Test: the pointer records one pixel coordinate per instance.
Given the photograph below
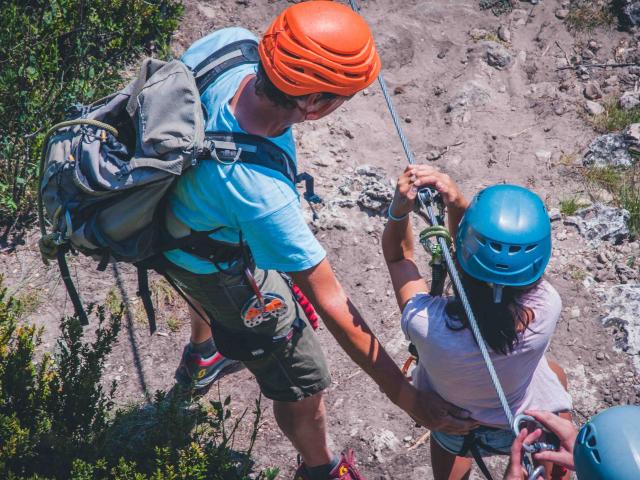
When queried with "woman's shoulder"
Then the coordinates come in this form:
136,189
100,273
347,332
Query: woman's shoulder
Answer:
544,300
422,306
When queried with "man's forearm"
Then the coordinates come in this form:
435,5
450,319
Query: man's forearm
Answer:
349,328
359,342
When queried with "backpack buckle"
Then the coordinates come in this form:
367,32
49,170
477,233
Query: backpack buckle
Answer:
309,193
226,153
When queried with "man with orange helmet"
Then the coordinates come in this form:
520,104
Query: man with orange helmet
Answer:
313,58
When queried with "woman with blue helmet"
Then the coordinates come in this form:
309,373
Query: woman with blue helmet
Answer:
607,447
503,245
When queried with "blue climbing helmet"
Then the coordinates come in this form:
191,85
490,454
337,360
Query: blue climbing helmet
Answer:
504,238
608,446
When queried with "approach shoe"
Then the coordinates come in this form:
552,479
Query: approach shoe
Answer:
196,371
345,470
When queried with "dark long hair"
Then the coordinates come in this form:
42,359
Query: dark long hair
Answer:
497,321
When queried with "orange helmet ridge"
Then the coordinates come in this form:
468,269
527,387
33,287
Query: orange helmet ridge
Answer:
319,47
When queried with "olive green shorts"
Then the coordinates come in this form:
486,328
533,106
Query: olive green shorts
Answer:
297,368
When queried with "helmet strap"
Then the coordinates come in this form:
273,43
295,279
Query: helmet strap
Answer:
497,293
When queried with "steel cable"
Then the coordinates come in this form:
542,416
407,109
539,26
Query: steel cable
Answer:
427,198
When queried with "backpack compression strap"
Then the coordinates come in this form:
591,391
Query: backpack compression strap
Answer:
231,147
230,56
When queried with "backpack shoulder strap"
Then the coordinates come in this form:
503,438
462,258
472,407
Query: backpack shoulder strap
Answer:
223,60
232,147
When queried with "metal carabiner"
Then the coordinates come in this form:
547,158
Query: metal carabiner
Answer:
537,473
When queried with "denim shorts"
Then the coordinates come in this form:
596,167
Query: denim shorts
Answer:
489,441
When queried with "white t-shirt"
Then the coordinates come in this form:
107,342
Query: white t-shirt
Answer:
451,363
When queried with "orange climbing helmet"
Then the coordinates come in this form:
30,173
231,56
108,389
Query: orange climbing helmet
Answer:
319,47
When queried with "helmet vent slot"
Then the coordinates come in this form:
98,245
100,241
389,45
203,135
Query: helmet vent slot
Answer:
500,266
496,247
514,249
591,441
596,455
480,239
530,248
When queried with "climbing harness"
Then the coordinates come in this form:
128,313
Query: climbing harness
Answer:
426,203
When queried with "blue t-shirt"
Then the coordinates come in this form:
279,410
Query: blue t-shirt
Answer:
260,202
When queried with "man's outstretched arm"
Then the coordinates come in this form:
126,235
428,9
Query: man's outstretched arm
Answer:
348,327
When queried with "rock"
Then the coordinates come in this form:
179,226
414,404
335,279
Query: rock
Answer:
599,222
442,54
610,150
560,109
562,13
385,439
554,214
632,137
588,55
543,156
575,312
594,108
592,91
478,33
600,356
627,272
331,218
593,46
622,304
629,100
497,55
612,81
504,34
473,94
376,193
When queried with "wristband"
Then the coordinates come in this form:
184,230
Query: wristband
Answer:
391,216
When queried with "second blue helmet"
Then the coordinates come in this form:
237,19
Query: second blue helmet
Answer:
504,237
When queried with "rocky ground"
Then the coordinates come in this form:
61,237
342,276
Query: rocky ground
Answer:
488,99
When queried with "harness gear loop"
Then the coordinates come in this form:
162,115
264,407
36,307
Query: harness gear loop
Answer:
425,204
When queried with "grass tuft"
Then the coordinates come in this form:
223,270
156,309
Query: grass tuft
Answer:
614,118
587,15
624,185
570,206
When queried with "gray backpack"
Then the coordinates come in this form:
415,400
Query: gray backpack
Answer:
106,170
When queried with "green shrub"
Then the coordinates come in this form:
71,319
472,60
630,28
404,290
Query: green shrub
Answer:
57,421
58,52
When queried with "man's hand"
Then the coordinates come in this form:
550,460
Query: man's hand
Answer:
430,410
515,470
566,432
